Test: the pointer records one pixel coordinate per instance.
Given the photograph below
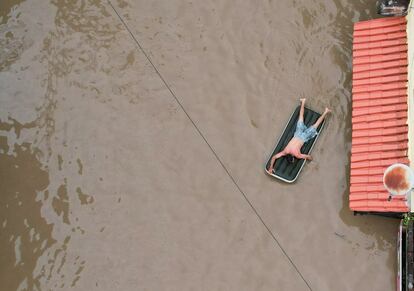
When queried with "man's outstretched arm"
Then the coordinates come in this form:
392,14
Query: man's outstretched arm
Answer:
274,158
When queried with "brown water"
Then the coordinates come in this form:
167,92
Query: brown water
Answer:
107,184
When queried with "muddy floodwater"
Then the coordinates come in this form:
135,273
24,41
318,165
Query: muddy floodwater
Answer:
133,136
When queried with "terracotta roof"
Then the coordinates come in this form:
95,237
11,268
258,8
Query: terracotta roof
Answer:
379,111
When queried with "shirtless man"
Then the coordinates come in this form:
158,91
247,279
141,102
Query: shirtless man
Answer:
302,135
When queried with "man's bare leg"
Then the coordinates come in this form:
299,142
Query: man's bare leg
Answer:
321,118
302,109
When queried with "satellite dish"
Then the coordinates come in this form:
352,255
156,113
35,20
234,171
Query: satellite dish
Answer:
398,180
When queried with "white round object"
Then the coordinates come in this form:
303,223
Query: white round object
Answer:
398,179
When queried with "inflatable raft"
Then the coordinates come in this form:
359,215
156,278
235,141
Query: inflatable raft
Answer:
283,170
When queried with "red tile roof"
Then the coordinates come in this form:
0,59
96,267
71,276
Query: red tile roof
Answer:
379,111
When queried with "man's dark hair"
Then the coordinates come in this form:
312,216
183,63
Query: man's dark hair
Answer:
290,159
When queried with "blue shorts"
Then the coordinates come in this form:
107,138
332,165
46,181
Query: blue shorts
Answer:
305,133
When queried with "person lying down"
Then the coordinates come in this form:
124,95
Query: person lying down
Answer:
302,135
